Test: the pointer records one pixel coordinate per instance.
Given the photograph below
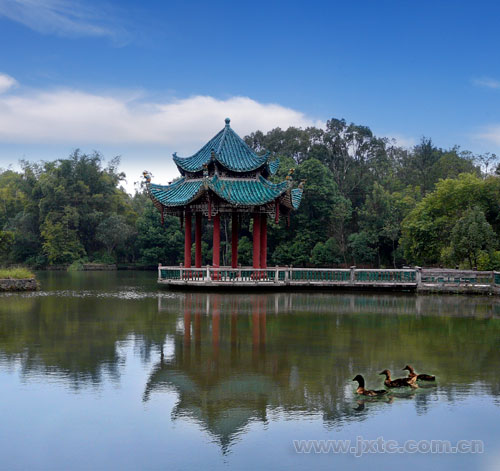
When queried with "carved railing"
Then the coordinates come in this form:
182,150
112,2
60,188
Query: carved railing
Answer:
320,275
406,275
223,274
496,278
459,277
286,275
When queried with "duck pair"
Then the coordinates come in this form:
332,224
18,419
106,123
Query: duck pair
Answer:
409,381
420,377
388,382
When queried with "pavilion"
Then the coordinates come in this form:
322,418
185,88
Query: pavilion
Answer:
226,178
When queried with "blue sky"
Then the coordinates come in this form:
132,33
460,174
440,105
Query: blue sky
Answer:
144,79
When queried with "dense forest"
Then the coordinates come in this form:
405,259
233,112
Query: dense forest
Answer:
367,202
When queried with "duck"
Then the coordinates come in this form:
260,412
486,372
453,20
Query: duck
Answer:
367,392
398,382
420,377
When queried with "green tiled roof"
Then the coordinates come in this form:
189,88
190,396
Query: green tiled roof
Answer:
247,192
178,193
273,166
296,197
246,186
244,192
229,149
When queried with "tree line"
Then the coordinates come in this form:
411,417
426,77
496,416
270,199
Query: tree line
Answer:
367,201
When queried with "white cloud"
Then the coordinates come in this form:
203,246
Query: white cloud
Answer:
490,134
81,118
403,141
6,82
487,82
68,18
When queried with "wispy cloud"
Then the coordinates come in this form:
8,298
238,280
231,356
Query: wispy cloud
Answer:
6,82
487,82
403,141
81,118
490,133
68,18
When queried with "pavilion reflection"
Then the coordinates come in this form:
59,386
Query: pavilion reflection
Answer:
227,375
219,367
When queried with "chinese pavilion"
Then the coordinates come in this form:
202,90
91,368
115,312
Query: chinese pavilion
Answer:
226,178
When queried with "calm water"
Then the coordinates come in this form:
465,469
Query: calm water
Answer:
105,371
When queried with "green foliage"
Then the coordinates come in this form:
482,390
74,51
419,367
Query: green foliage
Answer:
15,273
53,210
6,241
380,222
77,265
245,251
363,247
59,231
159,244
321,211
488,260
426,230
326,254
113,232
366,201
471,235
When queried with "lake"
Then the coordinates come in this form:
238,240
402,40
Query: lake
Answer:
103,370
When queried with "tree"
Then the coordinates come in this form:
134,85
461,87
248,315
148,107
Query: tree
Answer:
365,198
321,207
487,162
427,228
6,240
113,232
470,235
451,164
351,153
157,243
381,216
61,243
363,247
326,254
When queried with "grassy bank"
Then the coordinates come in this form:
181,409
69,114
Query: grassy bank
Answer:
16,273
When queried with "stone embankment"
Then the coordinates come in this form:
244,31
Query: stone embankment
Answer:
27,284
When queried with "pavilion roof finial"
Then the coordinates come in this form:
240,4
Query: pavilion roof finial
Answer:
229,150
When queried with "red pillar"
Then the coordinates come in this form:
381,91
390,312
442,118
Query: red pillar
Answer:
216,326
263,241
216,245
187,322
187,240
256,240
197,239
255,331
234,241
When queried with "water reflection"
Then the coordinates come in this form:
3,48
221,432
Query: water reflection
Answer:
236,359
268,353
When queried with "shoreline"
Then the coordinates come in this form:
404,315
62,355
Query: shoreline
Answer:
20,284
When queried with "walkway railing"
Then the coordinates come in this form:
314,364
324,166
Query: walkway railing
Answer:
460,277
287,275
421,278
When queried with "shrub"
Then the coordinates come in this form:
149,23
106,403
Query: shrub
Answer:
15,273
